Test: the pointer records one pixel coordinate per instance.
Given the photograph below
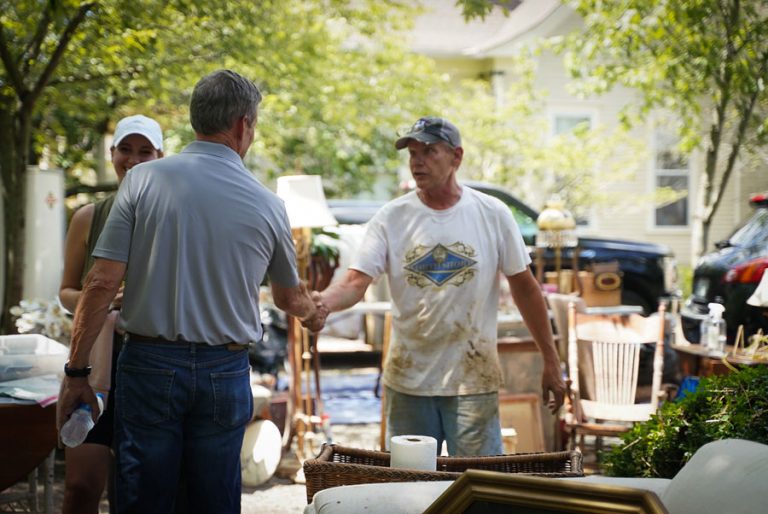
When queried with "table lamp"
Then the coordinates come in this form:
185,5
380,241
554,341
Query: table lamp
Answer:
307,209
557,230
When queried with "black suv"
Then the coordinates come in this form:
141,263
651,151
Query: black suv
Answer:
649,270
729,275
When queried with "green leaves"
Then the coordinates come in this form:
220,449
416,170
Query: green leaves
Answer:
730,406
700,63
336,75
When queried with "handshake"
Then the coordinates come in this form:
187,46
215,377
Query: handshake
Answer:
316,321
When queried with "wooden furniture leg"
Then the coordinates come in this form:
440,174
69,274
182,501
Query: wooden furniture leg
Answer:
384,350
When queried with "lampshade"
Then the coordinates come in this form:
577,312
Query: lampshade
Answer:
305,201
555,216
557,228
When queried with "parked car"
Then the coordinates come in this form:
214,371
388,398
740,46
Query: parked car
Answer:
649,271
729,275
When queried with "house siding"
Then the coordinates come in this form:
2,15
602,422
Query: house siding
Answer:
635,217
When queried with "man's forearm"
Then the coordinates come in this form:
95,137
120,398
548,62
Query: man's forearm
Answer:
342,295
90,314
530,302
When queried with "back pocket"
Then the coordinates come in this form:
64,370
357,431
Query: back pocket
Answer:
232,397
145,394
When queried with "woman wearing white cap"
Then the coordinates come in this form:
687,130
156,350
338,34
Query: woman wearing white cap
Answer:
137,139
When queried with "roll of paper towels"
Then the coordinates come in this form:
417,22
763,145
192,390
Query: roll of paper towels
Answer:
414,452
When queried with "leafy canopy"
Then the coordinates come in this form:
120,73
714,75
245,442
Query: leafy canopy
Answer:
337,75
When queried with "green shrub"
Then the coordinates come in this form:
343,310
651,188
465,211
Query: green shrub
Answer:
730,406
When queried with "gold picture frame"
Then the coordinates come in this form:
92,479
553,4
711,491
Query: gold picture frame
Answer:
492,492
522,412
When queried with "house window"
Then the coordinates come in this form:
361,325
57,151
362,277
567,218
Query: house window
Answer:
672,176
568,122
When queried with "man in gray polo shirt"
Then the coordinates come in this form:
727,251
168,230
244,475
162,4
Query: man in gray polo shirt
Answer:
193,235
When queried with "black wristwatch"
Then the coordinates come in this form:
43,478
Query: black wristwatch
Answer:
76,372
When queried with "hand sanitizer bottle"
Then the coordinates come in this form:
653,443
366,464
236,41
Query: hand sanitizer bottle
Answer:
713,329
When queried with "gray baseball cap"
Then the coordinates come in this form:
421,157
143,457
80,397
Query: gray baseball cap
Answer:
429,130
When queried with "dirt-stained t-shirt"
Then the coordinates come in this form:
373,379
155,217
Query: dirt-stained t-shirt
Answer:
443,269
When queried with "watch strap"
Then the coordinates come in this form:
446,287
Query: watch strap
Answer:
76,372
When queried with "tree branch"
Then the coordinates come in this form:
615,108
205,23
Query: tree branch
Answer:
746,114
15,78
66,36
32,50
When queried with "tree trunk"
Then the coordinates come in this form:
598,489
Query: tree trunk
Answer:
698,234
15,130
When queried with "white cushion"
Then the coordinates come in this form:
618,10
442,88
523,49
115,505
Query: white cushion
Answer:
386,498
722,476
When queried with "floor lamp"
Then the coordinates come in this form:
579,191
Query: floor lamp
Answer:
307,209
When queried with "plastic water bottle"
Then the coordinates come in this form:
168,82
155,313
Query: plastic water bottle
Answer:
76,429
713,329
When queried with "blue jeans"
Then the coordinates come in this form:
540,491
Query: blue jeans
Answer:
180,403
469,424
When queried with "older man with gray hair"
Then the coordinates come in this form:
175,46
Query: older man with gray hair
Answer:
443,248
193,235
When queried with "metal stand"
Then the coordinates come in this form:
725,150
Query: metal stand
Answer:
575,285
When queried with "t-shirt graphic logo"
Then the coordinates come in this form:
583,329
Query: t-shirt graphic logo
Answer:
440,265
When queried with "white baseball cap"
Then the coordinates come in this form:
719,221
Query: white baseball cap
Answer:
139,124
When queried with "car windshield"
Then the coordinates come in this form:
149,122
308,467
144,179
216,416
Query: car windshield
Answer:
528,227
754,231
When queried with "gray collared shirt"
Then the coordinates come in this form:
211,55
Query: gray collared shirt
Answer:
198,233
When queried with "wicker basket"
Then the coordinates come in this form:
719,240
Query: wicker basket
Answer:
338,465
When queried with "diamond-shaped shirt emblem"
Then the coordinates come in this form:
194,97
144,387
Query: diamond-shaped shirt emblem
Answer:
440,264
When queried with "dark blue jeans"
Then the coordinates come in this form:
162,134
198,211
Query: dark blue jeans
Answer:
180,403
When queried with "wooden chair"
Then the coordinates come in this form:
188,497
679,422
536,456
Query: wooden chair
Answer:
558,304
604,353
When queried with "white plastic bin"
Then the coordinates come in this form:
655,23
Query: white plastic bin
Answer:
30,355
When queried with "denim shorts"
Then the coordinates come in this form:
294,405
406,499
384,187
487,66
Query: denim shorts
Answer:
469,424
180,403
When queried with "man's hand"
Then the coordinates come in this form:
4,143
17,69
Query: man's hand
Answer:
553,387
316,322
74,391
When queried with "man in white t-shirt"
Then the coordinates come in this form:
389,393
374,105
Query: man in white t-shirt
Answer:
442,247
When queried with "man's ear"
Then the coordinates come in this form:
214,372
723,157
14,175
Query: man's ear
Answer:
241,126
458,155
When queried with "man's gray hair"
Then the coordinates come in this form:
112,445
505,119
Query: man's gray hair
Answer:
219,99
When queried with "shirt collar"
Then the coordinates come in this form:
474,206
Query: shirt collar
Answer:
216,149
